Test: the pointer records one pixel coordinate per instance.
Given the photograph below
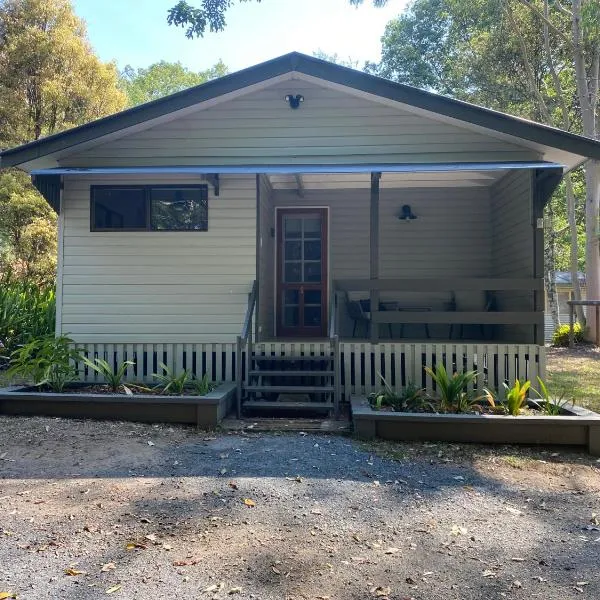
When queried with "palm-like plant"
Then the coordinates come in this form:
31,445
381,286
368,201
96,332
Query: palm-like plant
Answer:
112,377
170,383
455,393
516,397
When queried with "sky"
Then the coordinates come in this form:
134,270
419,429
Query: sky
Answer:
135,32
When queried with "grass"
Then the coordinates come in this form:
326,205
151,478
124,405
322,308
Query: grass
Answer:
577,373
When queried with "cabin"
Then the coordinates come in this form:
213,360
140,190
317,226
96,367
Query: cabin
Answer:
305,230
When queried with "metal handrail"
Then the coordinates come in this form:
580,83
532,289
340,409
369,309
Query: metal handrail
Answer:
249,312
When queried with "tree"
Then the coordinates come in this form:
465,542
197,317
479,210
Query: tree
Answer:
210,14
50,80
163,78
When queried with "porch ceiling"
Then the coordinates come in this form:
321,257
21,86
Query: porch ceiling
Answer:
328,181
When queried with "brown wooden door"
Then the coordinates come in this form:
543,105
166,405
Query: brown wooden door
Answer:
302,272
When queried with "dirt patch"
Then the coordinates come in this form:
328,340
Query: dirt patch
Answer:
150,512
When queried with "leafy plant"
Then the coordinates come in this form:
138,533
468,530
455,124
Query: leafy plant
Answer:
170,382
112,377
47,361
455,393
560,337
551,406
411,399
516,397
203,385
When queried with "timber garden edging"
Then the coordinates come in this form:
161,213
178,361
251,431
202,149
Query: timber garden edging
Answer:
580,427
206,412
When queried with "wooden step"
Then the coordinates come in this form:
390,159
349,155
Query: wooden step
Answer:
260,358
290,389
306,406
293,373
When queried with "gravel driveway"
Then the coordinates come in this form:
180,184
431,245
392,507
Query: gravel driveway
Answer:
121,510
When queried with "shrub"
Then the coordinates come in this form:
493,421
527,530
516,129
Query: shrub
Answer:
455,393
27,313
550,405
516,397
48,361
411,399
171,383
203,386
560,337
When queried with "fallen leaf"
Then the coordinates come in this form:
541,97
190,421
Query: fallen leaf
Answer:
514,511
275,570
249,502
150,443
233,485
380,591
517,559
5,595
133,545
316,511
151,537
108,567
582,583
235,590
211,588
516,583
167,547
457,530
489,573
73,572
113,589
392,550
145,520
410,581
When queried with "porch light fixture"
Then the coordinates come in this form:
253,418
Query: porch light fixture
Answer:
406,213
294,101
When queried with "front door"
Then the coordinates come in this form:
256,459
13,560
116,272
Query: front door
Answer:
302,272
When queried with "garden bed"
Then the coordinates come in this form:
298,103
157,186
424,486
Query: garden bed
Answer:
79,401
575,427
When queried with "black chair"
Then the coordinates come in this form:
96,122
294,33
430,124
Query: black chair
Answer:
491,305
356,313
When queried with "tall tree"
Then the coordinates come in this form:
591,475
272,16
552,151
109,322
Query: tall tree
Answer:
50,80
163,78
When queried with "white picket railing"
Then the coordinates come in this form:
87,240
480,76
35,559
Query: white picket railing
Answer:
362,363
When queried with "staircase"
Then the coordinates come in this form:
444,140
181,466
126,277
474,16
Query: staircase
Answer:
278,384
285,381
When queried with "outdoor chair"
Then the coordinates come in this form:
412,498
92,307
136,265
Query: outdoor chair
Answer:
491,305
355,312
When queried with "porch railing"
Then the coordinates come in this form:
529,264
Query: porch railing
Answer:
448,317
334,340
244,348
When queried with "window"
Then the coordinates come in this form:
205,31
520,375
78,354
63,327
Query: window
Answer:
149,208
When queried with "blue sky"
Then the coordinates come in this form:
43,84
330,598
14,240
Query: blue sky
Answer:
135,32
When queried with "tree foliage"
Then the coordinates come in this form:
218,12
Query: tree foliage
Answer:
50,80
210,15
163,78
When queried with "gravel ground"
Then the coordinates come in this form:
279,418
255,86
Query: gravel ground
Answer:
121,510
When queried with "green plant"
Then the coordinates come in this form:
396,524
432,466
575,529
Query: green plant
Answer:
560,337
203,385
171,383
47,361
516,397
27,313
551,406
112,377
455,393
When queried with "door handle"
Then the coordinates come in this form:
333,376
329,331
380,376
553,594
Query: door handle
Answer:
302,290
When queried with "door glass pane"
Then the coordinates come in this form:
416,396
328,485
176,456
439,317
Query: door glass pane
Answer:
293,250
291,297
312,227
293,273
312,297
312,272
312,250
312,315
293,227
291,316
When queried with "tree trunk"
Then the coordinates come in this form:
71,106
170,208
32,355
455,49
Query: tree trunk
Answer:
592,232
549,272
574,248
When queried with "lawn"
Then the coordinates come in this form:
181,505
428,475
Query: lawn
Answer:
576,372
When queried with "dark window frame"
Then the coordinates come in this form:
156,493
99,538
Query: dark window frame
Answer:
147,189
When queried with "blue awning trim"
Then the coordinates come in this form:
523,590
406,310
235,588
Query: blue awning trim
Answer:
285,169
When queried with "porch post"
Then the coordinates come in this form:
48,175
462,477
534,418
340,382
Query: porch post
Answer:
374,252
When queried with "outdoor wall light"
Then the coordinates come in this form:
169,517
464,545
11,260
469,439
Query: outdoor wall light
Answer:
406,213
294,101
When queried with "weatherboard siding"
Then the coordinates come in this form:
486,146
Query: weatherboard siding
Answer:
159,287
330,127
512,245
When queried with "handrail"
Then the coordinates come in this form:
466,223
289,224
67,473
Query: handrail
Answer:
249,312
333,312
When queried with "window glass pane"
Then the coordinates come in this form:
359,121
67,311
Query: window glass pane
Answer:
312,315
312,250
293,227
291,316
183,208
312,271
312,297
291,297
293,250
312,227
292,272
119,208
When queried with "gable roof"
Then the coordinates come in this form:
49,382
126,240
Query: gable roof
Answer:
296,62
